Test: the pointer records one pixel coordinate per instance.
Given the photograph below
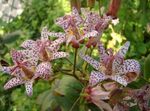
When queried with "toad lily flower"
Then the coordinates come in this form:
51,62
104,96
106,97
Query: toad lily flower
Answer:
98,94
20,63
44,50
93,21
113,66
74,19
72,27
142,96
23,72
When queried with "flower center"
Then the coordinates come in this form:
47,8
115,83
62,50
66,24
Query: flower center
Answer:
44,55
28,73
106,65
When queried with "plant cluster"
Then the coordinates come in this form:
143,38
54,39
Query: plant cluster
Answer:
106,87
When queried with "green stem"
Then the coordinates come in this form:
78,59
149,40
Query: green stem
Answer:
75,66
75,60
99,5
77,100
74,103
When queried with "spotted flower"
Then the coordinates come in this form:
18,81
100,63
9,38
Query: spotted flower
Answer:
20,62
44,51
113,66
72,25
142,96
93,21
23,72
99,93
33,62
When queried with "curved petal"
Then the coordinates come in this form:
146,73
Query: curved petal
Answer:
60,20
7,69
28,57
63,22
44,34
29,88
101,49
31,57
91,61
123,50
43,70
76,16
56,34
55,45
103,105
17,56
119,79
58,41
98,92
121,107
103,55
52,48
119,58
130,65
13,70
29,44
91,17
13,82
96,77
102,24
58,55
89,34
117,62
130,70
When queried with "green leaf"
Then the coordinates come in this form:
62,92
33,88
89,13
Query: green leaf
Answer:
46,100
93,107
147,68
139,83
71,89
141,48
134,108
11,37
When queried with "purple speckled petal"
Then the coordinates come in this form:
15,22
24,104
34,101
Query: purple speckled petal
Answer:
44,34
58,55
119,79
91,61
13,82
43,70
96,77
29,88
29,44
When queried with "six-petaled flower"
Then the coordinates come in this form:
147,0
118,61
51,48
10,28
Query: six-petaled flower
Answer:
44,51
99,94
113,66
33,61
73,27
93,21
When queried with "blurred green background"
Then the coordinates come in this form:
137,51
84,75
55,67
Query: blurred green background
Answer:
134,25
